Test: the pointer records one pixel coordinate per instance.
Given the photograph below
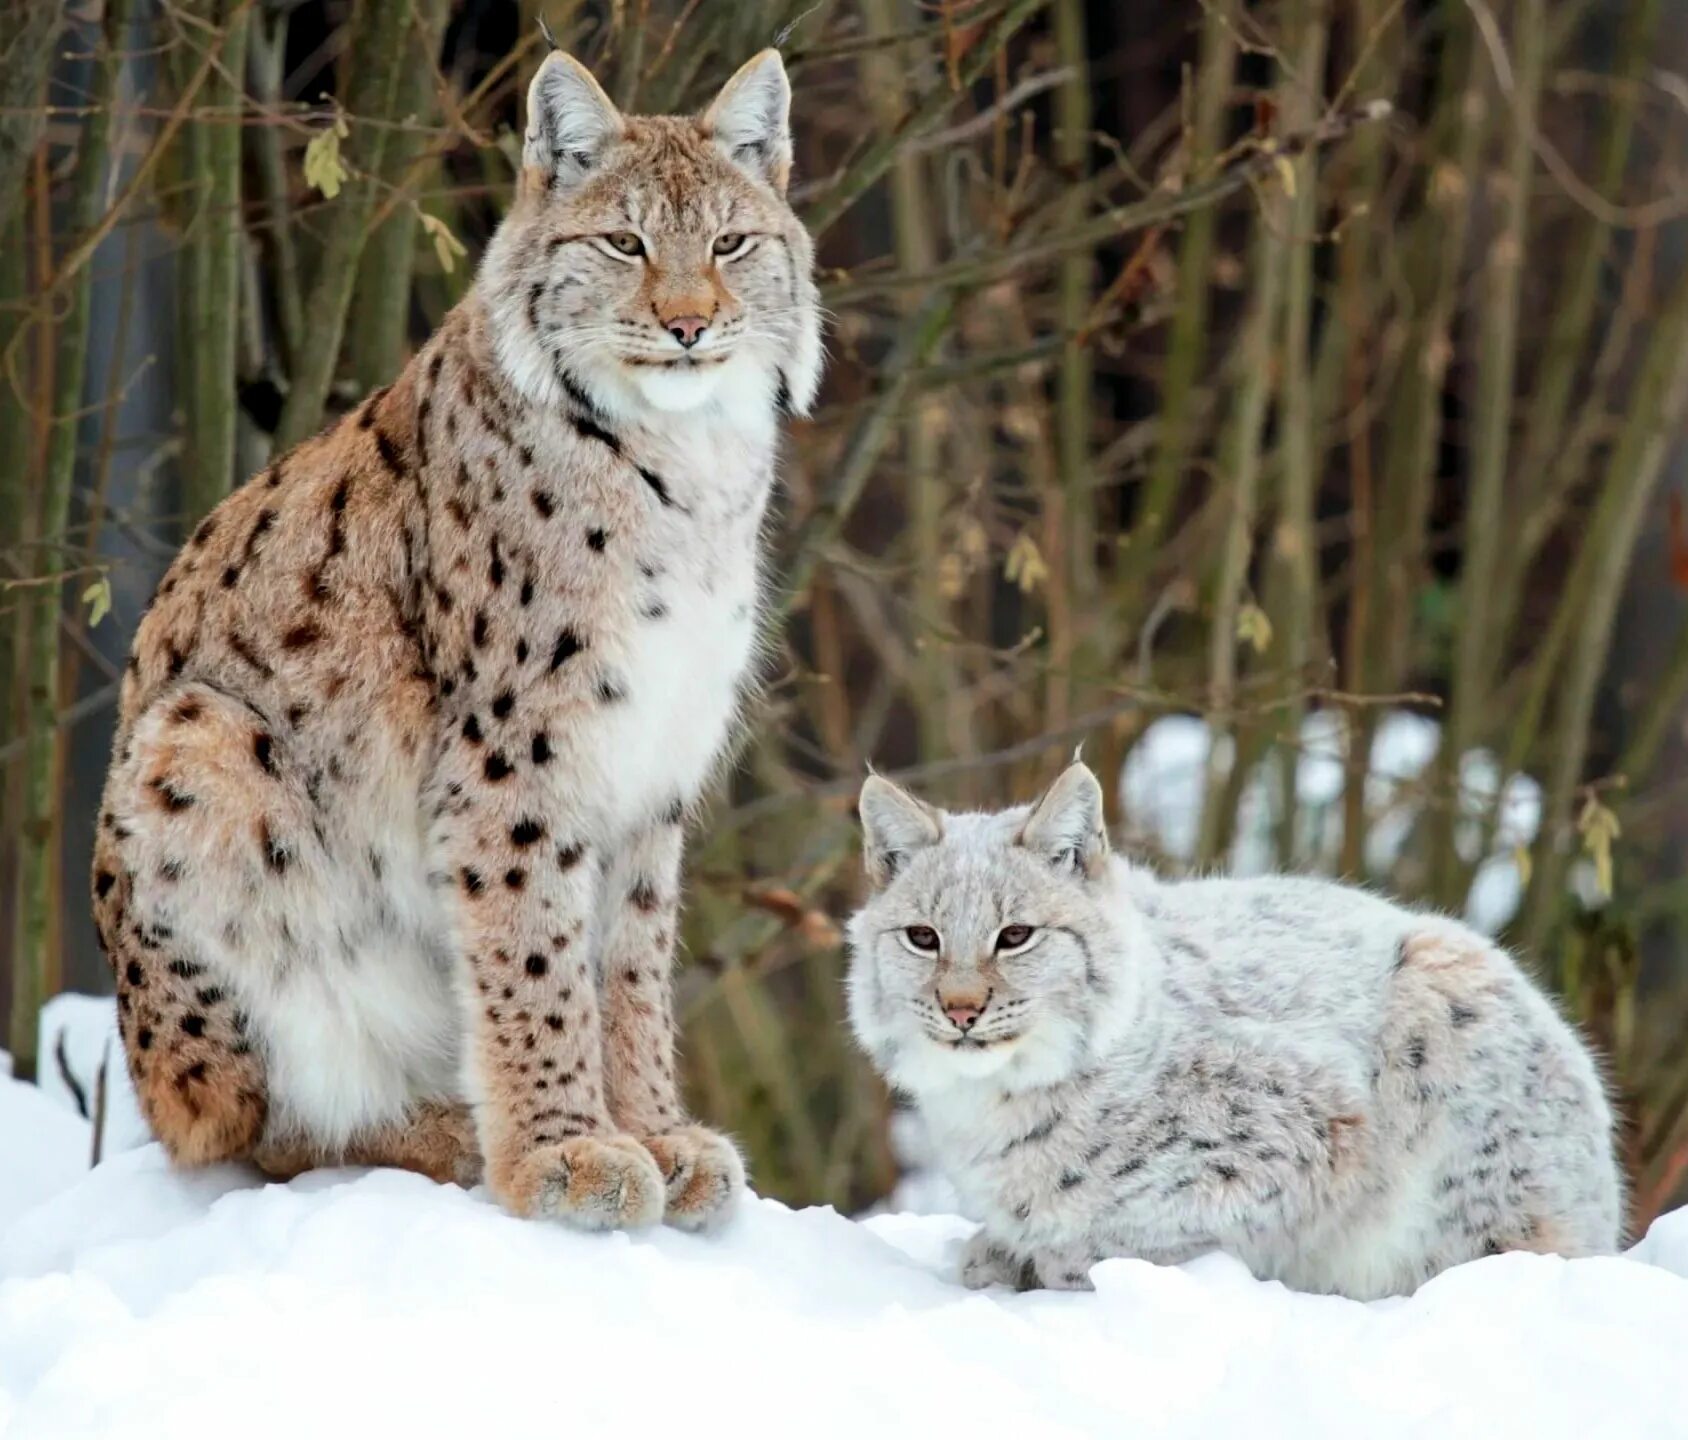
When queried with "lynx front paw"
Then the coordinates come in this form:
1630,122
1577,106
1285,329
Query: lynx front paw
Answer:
986,1262
607,1182
703,1173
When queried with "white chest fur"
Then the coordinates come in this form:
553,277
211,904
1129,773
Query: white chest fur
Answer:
681,650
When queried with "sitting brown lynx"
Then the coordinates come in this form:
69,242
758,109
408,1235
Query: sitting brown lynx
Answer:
388,867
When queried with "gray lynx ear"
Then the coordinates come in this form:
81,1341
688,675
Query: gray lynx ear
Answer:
894,826
1066,826
751,119
570,120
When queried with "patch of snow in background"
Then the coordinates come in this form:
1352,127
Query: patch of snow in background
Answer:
143,1302
1162,781
44,1149
78,1035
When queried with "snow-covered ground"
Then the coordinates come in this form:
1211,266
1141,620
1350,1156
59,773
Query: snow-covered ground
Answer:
138,1302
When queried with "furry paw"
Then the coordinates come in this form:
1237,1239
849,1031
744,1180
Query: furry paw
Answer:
986,1262
703,1173
1067,1269
598,1182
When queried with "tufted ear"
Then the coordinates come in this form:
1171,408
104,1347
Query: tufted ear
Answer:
751,119
1066,826
894,825
570,120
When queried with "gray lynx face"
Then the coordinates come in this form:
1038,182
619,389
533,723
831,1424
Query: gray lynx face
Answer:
652,262
984,950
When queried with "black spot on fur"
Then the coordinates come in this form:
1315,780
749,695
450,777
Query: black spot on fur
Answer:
496,767
133,973
472,882
276,855
536,964
193,1025
568,856
103,883
503,704
660,489
569,644
541,749
527,592
526,832
543,503
592,430
300,637
472,730
1459,1016
388,452
262,748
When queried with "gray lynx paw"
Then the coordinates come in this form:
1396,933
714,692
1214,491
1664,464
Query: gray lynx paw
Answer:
986,1262
703,1174
607,1182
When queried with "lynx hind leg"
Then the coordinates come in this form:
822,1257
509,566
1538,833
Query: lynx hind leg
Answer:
703,1174
1532,1166
177,806
436,1139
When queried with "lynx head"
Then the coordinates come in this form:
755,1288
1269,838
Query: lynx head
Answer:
652,261
993,944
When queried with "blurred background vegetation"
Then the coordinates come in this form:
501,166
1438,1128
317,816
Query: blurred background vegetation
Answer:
1180,404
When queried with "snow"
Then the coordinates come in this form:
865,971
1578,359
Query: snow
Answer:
82,1029
144,1302
43,1149
1162,781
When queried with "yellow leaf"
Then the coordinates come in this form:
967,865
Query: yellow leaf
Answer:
1286,173
1599,827
446,245
1024,566
1254,628
1526,866
323,166
97,597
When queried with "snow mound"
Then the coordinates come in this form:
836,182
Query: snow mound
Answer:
43,1150
146,1303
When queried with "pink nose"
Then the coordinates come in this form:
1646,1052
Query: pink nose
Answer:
963,1017
686,328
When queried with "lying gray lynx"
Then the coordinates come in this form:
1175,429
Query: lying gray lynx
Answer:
1346,1095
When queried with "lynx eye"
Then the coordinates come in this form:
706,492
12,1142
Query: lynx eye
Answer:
1013,937
922,937
626,242
730,243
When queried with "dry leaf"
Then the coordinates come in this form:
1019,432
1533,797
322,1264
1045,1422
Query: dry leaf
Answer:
324,168
1024,566
97,597
447,247
1254,628
1599,827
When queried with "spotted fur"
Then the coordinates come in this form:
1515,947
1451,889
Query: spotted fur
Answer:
389,863
1347,1095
